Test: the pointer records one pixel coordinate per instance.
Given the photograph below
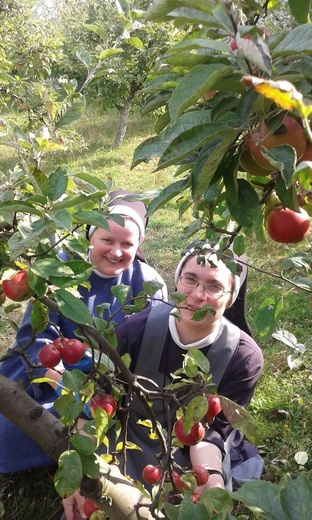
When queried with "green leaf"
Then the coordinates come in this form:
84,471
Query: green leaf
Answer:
152,287
62,219
262,498
195,411
90,465
84,57
287,196
84,445
134,42
297,41
171,191
155,146
68,407
58,181
296,497
172,512
193,85
243,204
267,316
300,10
240,419
209,159
20,207
93,180
73,113
100,31
39,317
108,53
199,359
218,500
74,380
72,308
69,473
122,292
96,218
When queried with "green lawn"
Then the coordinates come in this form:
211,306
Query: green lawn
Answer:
281,403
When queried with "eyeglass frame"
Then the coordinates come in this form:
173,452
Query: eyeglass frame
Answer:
223,292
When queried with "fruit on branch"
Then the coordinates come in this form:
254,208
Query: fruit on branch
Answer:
151,474
2,295
247,162
233,43
73,351
59,342
201,475
104,401
196,434
89,507
290,132
17,287
209,94
214,407
307,155
49,355
286,226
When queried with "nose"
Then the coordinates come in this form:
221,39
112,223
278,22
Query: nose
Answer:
199,292
116,251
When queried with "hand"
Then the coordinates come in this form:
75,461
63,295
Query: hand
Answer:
73,507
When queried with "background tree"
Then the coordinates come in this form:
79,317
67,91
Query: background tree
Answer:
116,45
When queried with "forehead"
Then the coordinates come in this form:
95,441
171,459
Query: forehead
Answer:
130,229
206,272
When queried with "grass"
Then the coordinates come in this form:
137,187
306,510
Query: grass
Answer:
281,404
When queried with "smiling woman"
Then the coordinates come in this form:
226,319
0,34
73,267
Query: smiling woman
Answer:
117,260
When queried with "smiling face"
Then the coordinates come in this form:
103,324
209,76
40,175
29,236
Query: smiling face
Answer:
113,251
196,298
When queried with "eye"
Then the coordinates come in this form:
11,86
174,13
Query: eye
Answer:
189,279
127,245
215,288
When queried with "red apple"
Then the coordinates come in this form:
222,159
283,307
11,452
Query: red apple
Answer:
17,287
49,355
89,507
73,351
196,434
287,226
2,295
290,132
201,474
151,474
233,43
247,162
105,401
214,407
307,155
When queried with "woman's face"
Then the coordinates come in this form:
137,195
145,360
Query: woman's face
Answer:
113,251
197,297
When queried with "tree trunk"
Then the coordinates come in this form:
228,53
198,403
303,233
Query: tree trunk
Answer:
33,419
123,121
121,497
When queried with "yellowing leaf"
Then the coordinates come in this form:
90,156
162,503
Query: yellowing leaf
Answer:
282,92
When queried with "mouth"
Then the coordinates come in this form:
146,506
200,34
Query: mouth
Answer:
191,308
111,261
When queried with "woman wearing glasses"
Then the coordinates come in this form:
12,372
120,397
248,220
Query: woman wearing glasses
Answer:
157,342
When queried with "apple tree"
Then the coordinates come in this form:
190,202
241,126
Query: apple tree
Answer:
109,49
266,78
236,98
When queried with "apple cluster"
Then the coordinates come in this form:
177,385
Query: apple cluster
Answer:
197,431
71,351
282,224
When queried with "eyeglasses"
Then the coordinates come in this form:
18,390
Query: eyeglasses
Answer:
211,290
